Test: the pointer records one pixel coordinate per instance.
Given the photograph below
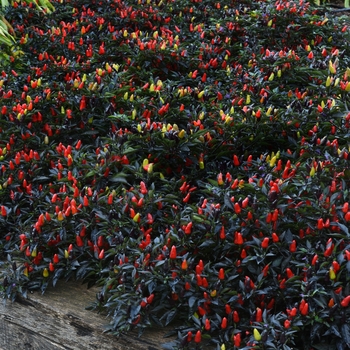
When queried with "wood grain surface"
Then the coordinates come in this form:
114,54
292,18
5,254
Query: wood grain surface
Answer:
58,320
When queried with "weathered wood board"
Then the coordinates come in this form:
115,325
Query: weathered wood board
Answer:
58,320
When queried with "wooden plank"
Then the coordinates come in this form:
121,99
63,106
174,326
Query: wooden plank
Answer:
58,320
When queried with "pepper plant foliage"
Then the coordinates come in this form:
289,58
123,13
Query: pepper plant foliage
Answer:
189,157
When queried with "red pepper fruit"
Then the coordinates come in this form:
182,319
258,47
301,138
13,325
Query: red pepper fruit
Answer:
101,255
198,337
28,252
51,267
56,259
314,260
173,253
149,219
329,250
274,216
265,270
100,241
258,316
235,316
189,336
293,246
47,217
3,211
237,208
271,304
82,231
320,224
338,290
79,241
224,323
76,192
237,340
238,238
336,266
304,308
245,202
186,199
289,272
234,184
345,208
132,213
78,145
265,243
68,211
293,312
150,299
136,320
347,254
86,201
184,187
222,233
268,218
275,238
287,324
345,302
201,311
143,188
188,228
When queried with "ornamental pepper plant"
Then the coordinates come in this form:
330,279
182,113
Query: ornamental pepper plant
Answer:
188,157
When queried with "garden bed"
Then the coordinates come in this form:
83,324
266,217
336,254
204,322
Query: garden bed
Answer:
191,158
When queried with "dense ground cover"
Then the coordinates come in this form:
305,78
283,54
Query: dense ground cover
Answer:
190,157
